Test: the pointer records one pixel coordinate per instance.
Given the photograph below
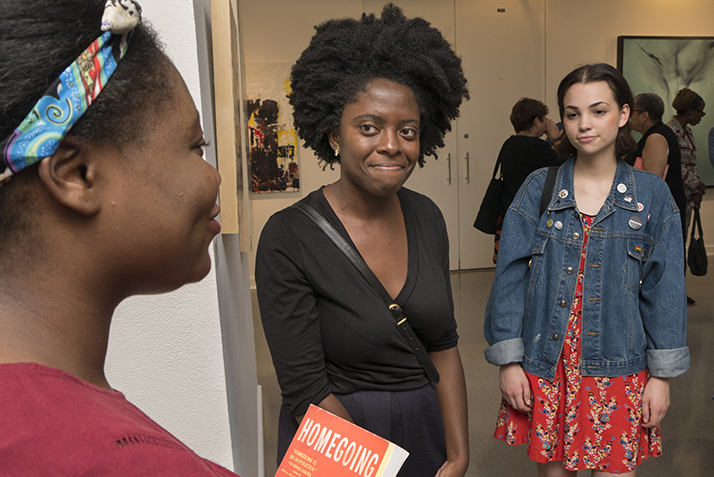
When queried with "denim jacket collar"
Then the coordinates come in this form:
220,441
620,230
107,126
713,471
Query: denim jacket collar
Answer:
623,193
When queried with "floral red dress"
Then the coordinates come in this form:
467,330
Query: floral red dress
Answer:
586,422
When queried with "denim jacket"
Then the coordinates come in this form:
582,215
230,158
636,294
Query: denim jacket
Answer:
634,309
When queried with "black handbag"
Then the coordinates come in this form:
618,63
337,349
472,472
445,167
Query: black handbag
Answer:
491,205
401,321
697,254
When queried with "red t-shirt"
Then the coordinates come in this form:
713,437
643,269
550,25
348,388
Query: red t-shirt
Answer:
52,423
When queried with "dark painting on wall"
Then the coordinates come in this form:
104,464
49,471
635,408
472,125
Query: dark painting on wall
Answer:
666,64
273,166
272,139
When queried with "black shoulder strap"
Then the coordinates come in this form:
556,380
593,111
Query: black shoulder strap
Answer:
548,189
495,169
697,223
361,265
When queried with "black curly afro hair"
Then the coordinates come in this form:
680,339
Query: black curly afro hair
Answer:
344,55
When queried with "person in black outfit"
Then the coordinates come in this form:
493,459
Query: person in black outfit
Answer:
374,96
658,148
525,152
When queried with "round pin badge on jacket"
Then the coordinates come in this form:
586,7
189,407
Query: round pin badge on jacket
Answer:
621,188
635,223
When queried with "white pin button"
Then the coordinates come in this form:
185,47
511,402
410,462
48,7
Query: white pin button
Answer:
621,188
640,207
563,194
558,225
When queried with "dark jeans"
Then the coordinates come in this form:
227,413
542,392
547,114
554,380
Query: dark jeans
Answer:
410,419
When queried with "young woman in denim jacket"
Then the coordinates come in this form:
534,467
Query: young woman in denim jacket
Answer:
587,314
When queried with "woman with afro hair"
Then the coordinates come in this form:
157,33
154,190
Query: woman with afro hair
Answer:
375,96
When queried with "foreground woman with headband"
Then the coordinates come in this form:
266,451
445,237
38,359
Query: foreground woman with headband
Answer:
104,195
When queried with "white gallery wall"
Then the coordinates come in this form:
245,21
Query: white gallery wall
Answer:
187,358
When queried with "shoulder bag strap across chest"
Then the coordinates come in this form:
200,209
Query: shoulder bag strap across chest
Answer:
545,196
359,263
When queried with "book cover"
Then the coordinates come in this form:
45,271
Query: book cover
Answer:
328,446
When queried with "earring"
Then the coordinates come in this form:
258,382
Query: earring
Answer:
337,150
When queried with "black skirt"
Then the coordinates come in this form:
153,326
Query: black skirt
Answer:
410,419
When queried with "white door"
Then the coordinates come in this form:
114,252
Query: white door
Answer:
509,36
437,179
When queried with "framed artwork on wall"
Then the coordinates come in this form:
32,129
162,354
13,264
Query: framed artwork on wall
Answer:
665,64
272,139
229,108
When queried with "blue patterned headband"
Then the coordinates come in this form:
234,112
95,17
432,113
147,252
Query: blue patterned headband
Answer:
70,95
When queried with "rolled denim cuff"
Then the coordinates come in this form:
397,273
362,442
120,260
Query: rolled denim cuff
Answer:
667,363
505,352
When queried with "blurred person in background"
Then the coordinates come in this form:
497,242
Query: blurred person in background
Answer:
658,149
525,152
690,111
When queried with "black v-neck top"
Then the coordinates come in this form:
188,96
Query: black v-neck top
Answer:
328,331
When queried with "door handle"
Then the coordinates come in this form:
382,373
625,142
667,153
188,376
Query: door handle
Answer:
448,162
468,175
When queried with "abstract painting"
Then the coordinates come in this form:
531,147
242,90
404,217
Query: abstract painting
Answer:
272,139
664,65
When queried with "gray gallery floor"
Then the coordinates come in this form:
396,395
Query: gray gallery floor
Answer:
688,428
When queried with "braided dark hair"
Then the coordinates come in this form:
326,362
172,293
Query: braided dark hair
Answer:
685,100
344,55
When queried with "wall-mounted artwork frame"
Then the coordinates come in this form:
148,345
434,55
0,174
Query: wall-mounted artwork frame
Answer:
229,108
666,64
273,150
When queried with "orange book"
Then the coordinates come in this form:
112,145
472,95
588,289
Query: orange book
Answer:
328,446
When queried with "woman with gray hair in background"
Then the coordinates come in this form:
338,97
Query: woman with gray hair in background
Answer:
658,149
